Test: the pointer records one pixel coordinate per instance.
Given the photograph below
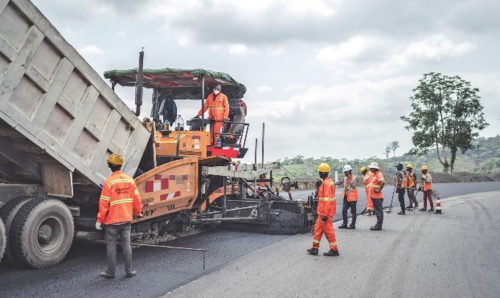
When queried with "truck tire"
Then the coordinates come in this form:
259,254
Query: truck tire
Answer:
7,214
41,233
3,239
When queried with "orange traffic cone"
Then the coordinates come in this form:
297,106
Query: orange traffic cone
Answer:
438,206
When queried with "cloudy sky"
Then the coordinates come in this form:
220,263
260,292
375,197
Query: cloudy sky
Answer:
327,77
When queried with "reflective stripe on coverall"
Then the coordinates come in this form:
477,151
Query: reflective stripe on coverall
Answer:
326,207
218,111
119,200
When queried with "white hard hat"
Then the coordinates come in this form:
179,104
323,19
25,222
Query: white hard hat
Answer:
347,168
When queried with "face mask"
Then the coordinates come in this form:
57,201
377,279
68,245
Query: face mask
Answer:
216,92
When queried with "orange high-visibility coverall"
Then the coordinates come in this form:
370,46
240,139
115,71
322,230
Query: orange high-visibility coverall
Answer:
366,181
119,200
326,207
218,111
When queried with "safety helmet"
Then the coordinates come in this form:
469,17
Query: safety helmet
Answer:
409,166
362,170
425,168
115,159
346,168
324,168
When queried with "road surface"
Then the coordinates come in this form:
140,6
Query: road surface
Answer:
161,271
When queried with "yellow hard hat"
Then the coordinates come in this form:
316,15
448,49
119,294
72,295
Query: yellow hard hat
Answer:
115,159
324,168
425,168
362,170
410,166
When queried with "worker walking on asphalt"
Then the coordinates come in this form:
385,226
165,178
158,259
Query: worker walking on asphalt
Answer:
376,185
326,210
399,184
410,179
426,185
118,203
367,177
349,197
218,113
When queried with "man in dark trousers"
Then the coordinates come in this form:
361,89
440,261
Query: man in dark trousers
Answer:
118,203
349,197
400,188
376,186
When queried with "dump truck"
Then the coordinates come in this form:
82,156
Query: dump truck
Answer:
59,121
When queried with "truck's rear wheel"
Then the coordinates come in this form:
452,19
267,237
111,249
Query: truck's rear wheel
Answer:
3,239
7,214
41,233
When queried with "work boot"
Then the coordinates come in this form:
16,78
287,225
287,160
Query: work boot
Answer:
432,209
376,228
106,274
409,207
331,253
422,209
343,226
401,213
416,206
131,273
351,227
312,251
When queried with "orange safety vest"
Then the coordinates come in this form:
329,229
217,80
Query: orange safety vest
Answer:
119,200
428,183
376,181
352,195
410,180
326,198
219,107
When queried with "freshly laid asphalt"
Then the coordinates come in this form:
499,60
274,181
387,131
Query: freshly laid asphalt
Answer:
420,254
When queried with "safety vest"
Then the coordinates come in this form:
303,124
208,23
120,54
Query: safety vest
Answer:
326,198
119,199
352,195
410,179
376,182
428,183
218,107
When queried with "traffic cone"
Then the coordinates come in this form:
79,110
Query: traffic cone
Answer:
438,206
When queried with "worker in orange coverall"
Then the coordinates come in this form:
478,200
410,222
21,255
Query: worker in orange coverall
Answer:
367,178
218,111
326,210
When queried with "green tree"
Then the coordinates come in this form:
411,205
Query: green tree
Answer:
394,145
387,151
447,114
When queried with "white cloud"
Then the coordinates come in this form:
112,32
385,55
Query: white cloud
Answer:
436,48
241,50
264,89
91,50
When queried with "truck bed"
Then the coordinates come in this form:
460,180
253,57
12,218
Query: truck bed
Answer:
58,117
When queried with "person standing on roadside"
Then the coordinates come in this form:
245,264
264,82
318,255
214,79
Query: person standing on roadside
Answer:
411,183
376,186
367,177
326,211
349,197
118,203
400,188
427,188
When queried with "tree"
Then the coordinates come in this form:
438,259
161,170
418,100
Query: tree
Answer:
387,151
446,114
394,145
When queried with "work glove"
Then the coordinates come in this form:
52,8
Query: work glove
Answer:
197,117
319,182
98,226
324,218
